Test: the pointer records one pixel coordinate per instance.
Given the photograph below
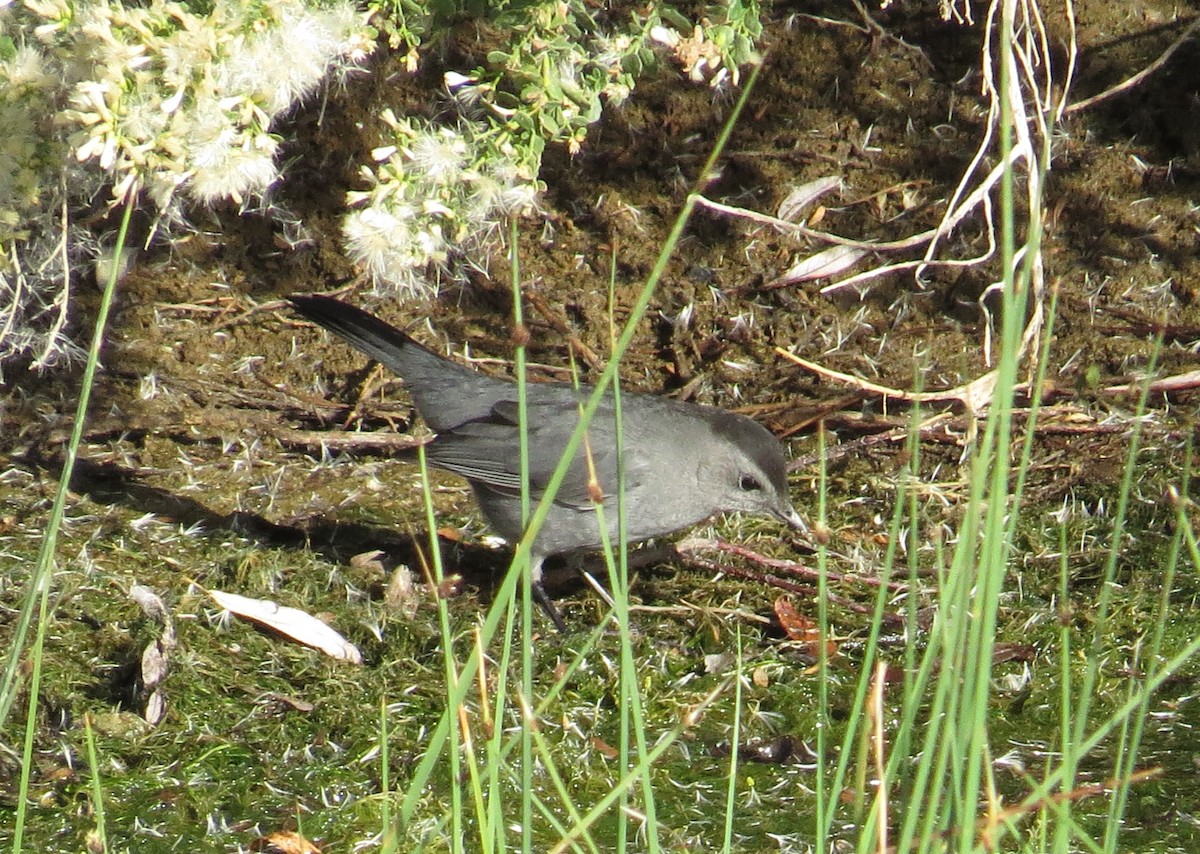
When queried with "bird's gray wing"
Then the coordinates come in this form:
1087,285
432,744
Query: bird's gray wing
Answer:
488,449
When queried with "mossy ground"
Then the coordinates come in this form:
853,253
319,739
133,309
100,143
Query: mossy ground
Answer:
195,468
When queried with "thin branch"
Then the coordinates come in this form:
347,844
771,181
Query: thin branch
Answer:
1138,78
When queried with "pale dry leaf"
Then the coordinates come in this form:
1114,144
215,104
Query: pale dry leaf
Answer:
717,662
400,594
828,262
94,842
289,622
296,704
154,664
800,198
150,602
156,707
368,560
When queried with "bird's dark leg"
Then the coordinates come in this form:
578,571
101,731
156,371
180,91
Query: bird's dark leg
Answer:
539,596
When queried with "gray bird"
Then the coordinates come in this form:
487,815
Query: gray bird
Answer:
683,462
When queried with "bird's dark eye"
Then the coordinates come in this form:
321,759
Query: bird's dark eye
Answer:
749,483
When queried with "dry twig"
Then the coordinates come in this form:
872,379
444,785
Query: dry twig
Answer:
1136,79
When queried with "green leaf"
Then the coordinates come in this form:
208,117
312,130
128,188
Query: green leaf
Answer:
673,18
551,126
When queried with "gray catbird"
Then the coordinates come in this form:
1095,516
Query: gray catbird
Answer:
683,462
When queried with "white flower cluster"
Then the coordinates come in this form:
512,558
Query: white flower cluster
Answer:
35,242
26,105
160,97
433,191
175,100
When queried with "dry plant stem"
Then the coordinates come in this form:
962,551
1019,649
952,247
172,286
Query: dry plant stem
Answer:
235,306
1031,131
599,590
993,177
974,395
1031,52
560,325
945,429
870,27
378,377
687,609
383,444
211,427
812,233
1139,325
1140,77
988,825
978,197
853,448
8,318
484,682
1167,385
691,546
891,620
876,30
230,309
879,750
824,410
62,299
1060,107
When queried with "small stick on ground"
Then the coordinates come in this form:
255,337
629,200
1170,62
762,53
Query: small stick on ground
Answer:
788,585
1136,79
559,324
791,567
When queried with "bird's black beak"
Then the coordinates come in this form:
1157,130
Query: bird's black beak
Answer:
793,519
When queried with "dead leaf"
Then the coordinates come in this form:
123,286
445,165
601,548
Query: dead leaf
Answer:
828,262
289,622
450,587
94,842
156,656
606,750
150,602
716,662
400,593
285,842
154,664
1013,652
802,629
294,703
156,707
368,560
798,200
